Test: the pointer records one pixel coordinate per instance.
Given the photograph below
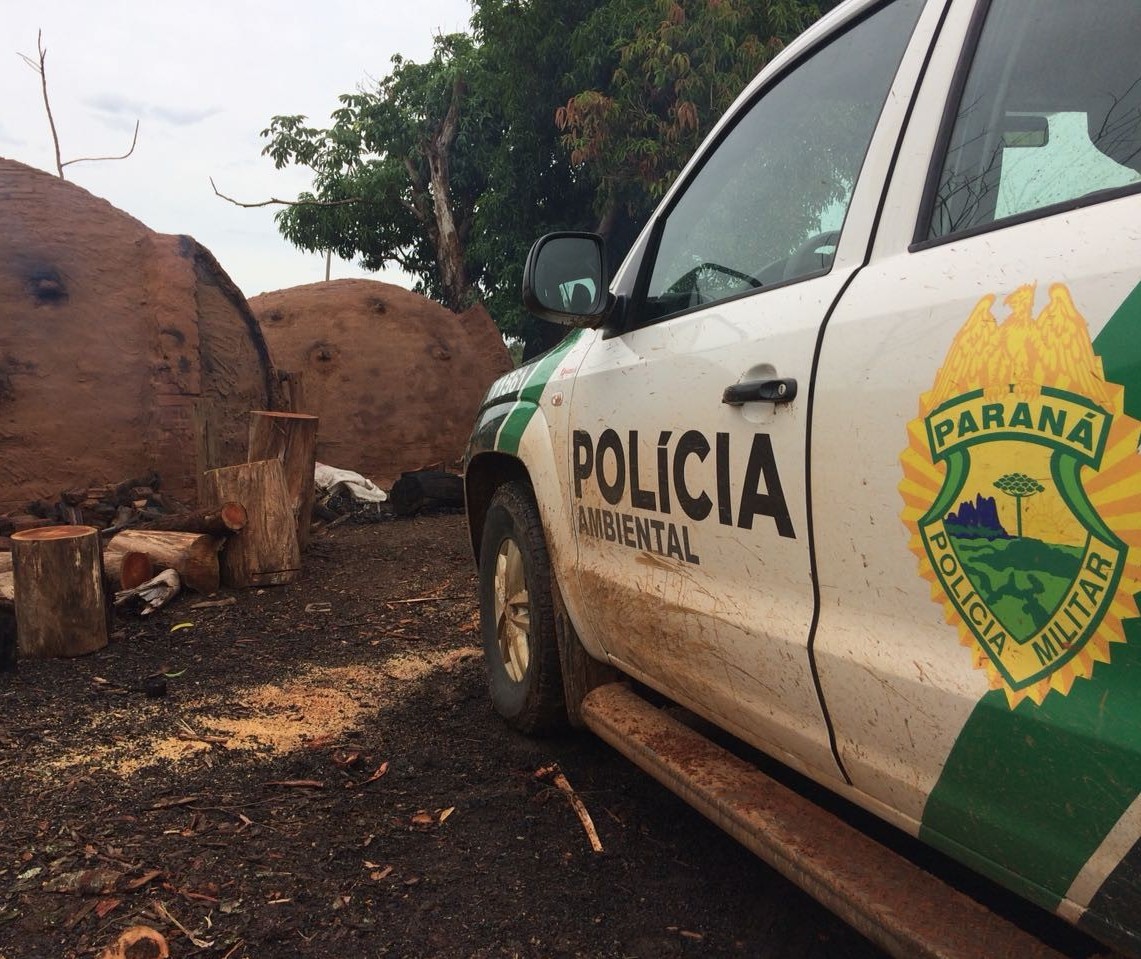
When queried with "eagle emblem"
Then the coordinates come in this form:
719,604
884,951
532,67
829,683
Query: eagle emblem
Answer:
1022,493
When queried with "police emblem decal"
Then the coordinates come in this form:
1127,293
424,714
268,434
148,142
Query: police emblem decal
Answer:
1022,493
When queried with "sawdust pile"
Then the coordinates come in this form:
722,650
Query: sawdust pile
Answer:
316,708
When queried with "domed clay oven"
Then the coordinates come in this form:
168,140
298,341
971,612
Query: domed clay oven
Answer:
395,378
121,350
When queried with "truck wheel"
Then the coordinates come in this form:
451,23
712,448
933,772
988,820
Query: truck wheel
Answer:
581,672
517,619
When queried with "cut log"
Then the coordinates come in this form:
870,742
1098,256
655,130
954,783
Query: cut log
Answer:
193,555
221,520
265,551
7,637
292,439
15,523
7,584
294,386
426,489
125,570
60,605
207,416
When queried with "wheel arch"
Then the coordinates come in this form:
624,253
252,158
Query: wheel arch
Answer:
484,474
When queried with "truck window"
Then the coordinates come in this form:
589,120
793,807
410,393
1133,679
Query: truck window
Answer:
1050,114
768,204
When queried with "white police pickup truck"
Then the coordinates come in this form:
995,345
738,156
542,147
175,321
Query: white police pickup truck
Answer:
845,461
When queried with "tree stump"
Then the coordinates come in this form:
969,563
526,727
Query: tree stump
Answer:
194,556
292,439
265,551
60,606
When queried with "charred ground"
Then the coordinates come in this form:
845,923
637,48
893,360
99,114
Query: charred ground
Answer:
325,777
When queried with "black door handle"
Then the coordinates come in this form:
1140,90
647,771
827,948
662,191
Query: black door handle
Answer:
763,391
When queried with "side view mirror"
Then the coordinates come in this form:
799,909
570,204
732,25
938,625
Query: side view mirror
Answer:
565,280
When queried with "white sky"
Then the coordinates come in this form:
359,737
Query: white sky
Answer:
204,79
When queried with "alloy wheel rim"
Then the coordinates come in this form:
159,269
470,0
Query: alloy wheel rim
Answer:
512,611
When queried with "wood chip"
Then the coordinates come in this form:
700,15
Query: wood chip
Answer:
146,877
171,803
380,771
214,603
104,907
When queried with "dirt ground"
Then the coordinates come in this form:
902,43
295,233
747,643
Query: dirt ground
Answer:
325,778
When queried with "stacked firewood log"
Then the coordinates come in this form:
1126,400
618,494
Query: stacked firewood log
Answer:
124,504
251,521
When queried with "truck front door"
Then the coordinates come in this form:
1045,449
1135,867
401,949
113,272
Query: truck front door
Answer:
689,502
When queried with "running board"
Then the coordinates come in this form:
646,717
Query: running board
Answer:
899,906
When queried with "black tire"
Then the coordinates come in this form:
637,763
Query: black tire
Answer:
581,672
516,613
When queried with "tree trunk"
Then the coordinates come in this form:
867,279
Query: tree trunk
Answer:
265,551
60,606
450,255
208,451
294,386
194,556
292,439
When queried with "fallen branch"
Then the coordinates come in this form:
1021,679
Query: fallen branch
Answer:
237,945
168,916
214,603
556,776
418,599
221,520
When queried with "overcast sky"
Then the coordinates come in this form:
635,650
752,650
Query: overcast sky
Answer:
204,79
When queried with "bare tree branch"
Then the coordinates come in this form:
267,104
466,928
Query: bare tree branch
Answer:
40,68
274,200
134,140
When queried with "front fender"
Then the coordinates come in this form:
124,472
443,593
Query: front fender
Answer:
521,434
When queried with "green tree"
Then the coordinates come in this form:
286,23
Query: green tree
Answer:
527,55
457,165
679,64
1020,486
411,151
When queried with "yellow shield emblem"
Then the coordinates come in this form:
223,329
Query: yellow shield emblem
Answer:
1022,491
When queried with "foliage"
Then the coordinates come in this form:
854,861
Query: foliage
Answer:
548,116
531,189
680,63
379,149
1020,486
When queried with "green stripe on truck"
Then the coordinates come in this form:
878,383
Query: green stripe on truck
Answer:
1032,792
